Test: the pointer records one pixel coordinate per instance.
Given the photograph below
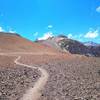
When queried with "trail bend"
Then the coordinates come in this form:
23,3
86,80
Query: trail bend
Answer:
35,92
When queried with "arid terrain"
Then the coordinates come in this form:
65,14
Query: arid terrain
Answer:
70,76
15,79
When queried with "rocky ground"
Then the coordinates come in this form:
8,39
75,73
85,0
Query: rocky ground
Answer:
14,81
71,78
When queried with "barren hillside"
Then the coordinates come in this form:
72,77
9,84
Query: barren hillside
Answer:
71,77
13,42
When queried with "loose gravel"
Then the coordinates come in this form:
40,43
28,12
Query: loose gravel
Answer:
14,81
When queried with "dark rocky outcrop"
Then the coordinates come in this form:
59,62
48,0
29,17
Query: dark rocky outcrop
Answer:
63,43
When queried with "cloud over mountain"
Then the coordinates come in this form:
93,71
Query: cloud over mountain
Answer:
92,34
46,36
1,29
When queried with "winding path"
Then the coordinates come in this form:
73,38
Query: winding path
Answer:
35,92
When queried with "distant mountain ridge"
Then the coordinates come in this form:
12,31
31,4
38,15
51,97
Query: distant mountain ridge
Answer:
90,43
14,42
63,43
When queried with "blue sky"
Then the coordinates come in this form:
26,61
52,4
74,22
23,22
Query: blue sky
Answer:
79,19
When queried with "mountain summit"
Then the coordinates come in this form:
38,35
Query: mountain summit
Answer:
90,43
63,43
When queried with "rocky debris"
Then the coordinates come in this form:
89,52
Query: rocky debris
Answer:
95,50
75,79
71,77
15,81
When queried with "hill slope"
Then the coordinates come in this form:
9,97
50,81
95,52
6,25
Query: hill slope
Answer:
13,42
63,43
71,77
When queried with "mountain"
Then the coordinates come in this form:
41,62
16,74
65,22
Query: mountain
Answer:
14,42
93,47
90,43
49,70
63,43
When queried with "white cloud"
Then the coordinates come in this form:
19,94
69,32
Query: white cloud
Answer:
12,31
69,35
92,34
98,9
2,30
46,36
50,26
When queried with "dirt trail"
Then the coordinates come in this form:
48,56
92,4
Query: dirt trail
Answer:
35,92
